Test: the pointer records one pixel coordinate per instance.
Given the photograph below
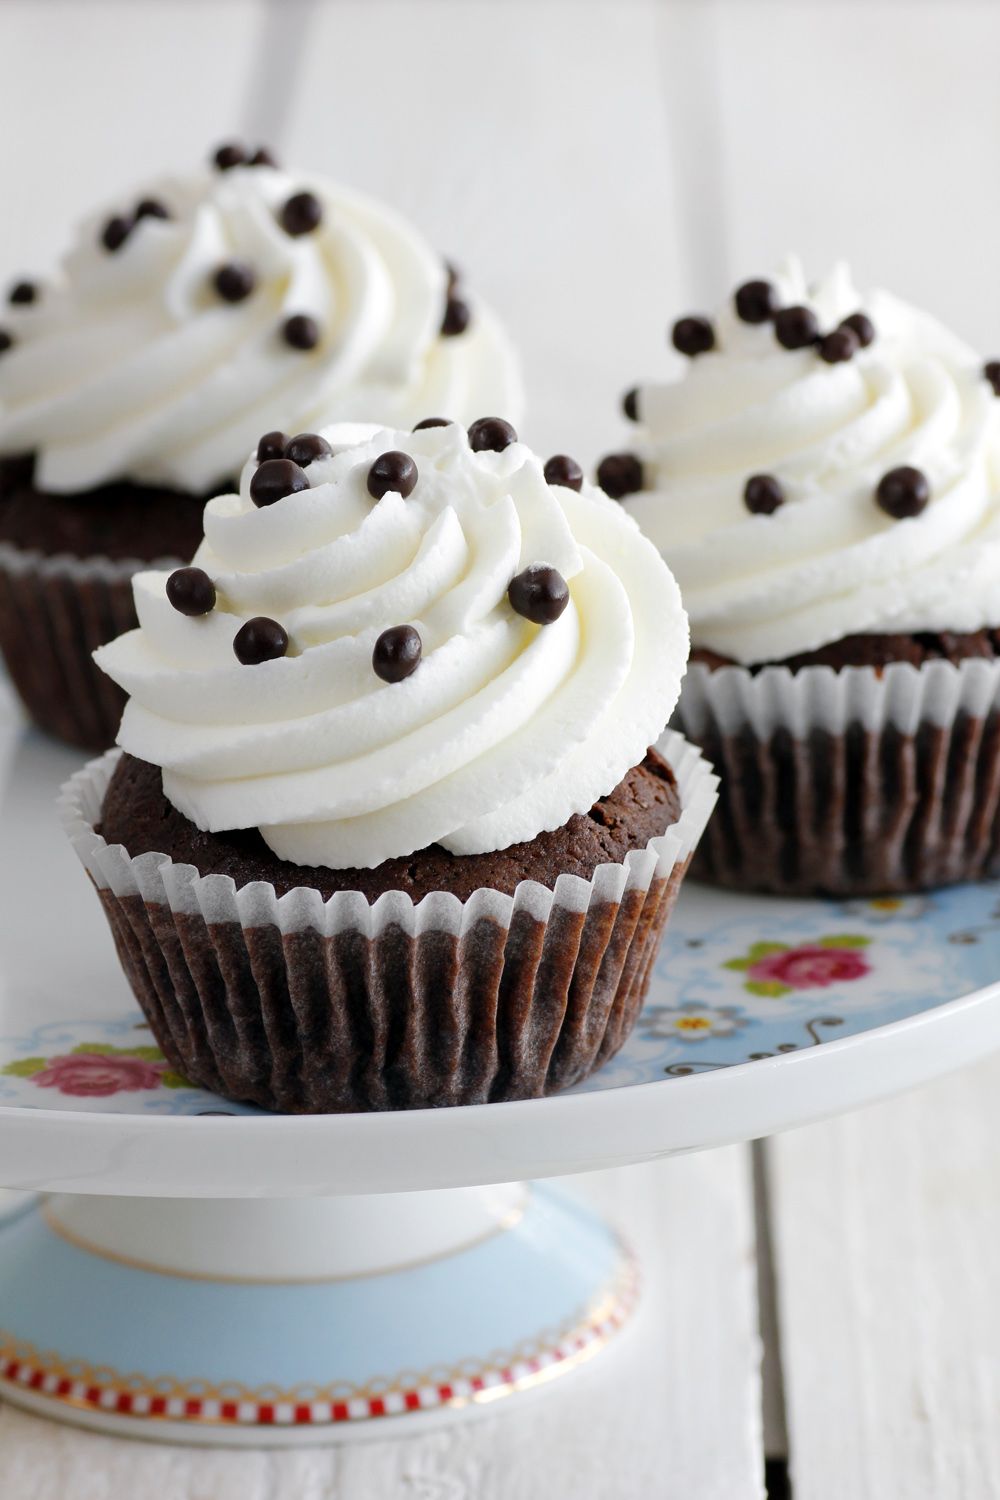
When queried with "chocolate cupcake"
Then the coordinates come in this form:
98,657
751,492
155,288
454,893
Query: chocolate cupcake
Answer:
184,320
388,831
824,480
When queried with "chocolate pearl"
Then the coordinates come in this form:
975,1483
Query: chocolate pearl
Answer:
630,404
692,336
272,445
457,316
22,293
191,591
230,155
151,208
862,325
302,213
561,469
619,474
306,447
235,280
491,434
991,371
262,157
397,653
755,302
6,341
796,327
903,492
432,422
260,639
539,594
392,471
840,345
300,331
763,494
274,479
115,232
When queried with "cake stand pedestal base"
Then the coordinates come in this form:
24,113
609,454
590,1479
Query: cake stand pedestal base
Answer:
261,1321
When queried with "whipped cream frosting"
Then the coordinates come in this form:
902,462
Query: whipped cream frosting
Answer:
505,729
131,365
829,563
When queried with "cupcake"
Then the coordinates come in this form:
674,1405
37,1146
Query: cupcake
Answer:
824,481
184,320
396,823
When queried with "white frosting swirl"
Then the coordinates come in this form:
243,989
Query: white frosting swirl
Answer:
830,562
505,729
130,365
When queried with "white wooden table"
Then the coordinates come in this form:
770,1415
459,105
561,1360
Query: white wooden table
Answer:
600,166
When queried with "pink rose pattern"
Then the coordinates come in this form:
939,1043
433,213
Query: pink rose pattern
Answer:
96,1071
775,969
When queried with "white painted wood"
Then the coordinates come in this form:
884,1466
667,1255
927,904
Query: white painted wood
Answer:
866,132
673,1412
887,1224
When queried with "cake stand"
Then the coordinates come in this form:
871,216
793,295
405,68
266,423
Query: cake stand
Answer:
176,1266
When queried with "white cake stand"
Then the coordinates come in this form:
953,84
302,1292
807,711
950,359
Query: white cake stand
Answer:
202,1271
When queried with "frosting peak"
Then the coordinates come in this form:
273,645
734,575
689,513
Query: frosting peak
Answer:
823,424
228,299
550,644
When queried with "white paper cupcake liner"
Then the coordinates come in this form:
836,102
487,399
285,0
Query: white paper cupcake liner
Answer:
54,612
856,781
303,1004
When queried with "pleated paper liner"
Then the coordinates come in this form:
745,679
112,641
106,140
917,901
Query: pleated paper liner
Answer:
855,782
304,1005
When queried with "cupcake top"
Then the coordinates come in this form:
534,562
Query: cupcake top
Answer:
202,309
393,639
828,465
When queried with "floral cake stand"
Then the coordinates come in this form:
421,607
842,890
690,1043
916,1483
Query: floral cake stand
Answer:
198,1270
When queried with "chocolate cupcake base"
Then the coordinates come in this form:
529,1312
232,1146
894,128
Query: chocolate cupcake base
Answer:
858,782
302,1004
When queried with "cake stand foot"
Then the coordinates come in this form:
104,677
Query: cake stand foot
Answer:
251,1321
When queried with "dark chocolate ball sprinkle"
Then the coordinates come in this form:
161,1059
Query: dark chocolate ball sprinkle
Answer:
191,591
235,280
262,157
115,232
306,447
301,214
903,492
151,208
6,341
491,434
561,469
840,345
274,479
991,371
763,494
260,639
630,404
619,474
755,302
397,653
230,155
432,422
272,445
861,324
457,316
692,336
300,331
22,293
393,471
539,594
796,327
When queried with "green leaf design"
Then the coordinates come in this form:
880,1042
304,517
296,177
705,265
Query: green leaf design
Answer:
761,950
24,1067
174,1081
737,963
769,988
843,940
105,1049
